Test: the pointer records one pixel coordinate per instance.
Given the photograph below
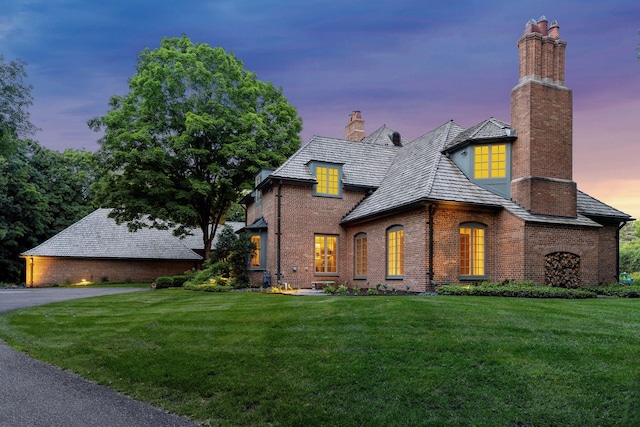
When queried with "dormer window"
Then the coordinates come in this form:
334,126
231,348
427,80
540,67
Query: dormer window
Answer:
490,161
328,179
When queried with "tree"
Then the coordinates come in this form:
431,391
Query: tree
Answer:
41,191
189,136
15,99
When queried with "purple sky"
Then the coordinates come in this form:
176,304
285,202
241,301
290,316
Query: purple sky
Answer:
409,64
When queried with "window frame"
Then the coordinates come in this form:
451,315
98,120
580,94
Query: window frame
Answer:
325,255
318,184
495,154
469,270
262,253
398,254
360,256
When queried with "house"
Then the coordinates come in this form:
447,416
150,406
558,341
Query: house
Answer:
96,248
495,201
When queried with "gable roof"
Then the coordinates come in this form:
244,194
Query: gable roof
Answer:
98,236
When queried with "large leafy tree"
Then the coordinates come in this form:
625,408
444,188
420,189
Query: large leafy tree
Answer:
189,136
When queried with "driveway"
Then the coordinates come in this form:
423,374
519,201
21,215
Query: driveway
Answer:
36,394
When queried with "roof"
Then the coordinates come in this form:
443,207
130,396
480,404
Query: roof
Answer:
588,205
488,130
422,173
364,163
98,236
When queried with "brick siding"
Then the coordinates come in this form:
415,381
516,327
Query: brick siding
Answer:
50,271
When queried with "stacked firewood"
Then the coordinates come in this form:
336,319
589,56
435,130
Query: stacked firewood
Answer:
562,269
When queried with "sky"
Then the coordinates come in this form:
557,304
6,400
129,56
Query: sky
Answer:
409,64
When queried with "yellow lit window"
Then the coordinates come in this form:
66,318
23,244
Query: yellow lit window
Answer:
326,254
255,256
490,161
361,255
328,181
472,253
395,251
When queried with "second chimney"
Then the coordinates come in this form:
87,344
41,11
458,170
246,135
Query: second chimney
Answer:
355,127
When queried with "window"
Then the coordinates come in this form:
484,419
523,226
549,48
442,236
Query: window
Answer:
326,254
472,250
255,256
328,177
490,161
395,252
360,245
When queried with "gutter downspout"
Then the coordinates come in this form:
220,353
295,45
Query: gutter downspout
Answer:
279,232
432,209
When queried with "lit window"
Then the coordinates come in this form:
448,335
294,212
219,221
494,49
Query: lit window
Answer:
361,255
326,254
328,179
395,252
255,255
490,161
472,251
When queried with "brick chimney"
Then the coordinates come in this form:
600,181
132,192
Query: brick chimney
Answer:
542,115
355,127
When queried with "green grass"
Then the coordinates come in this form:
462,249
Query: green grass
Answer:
259,359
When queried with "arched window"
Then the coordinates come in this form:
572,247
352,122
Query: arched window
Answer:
472,250
395,252
360,255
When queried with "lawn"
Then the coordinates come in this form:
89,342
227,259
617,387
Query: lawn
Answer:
260,359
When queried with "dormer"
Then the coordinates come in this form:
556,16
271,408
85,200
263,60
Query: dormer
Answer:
483,154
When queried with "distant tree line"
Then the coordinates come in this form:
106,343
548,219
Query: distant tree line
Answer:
41,191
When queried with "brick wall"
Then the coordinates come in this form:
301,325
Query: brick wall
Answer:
49,271
608,254
541,240
542,115
302,216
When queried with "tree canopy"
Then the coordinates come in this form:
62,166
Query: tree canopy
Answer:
190,134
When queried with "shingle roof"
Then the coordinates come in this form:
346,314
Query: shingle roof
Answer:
421,173
489,129
98,236
381,136
587,205
364,164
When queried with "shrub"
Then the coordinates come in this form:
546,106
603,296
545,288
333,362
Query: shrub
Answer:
329,289
523,289
342,289
215,284
164,282
616,290
179,280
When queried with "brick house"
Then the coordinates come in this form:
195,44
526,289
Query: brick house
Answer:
492,202
97,248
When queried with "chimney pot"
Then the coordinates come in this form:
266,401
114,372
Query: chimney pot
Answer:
543,25
554,30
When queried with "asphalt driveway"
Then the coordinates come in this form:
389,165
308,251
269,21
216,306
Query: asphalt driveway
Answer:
36,394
